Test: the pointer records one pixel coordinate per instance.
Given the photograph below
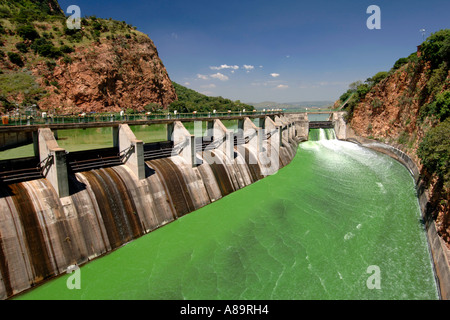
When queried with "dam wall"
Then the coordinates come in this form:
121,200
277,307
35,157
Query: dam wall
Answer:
439,251
67,219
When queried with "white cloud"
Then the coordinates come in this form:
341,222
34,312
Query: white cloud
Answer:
187,83
224,66
248,67
219,76
275,75
202,76
282,86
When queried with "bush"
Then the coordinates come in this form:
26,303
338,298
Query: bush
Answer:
4,13
27,32
362,90
15,58
46,49
434,150
443,105
67,60
66,49
399,63
377,78
69,32
345,96
22,47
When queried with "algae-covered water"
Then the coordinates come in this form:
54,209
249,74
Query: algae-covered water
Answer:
339,222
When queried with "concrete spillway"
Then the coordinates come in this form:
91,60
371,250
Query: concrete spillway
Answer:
43,233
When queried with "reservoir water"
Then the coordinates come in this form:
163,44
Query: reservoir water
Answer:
315,230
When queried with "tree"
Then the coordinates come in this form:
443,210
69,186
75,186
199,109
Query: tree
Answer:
436,48
354,85
434,150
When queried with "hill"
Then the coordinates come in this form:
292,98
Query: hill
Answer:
105,66
190,100
292,105
409,107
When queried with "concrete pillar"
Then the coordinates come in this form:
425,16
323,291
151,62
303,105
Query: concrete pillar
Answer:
132,150
269,157
53,159
221,132
340,126
249,129
184,143
275,129
279,121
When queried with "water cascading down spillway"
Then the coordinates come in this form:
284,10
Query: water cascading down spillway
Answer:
42,235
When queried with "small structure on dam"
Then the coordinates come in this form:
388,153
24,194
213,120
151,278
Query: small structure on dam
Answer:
73,207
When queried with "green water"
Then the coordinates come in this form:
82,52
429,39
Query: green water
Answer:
309,232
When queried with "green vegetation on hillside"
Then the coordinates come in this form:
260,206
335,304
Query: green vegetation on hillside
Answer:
190,100
434,151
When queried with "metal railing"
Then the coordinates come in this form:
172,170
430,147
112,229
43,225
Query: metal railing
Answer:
22,120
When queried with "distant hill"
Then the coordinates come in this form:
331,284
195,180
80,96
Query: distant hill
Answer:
291,105
190,100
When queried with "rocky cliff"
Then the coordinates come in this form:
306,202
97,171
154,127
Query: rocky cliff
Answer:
403,108
105,66
113,75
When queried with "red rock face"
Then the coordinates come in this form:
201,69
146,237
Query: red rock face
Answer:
110,76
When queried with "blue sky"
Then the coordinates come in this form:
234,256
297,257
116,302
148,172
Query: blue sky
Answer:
284,50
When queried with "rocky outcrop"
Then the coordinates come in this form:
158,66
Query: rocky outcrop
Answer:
110,76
